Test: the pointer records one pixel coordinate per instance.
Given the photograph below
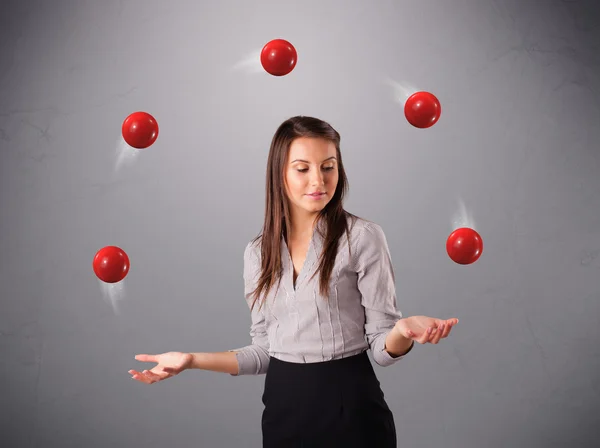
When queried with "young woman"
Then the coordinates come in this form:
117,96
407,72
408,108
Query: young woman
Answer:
320,287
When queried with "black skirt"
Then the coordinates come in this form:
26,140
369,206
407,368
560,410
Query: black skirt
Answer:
329,404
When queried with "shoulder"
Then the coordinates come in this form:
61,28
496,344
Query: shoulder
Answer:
364,232
368,243
253,250
252,259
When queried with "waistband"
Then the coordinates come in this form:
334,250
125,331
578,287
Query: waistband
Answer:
354,361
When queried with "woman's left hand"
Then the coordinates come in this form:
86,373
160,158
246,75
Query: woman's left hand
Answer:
425,329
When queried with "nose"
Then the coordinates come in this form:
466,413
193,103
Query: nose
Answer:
317,178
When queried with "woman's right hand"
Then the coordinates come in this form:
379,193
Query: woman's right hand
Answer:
167,365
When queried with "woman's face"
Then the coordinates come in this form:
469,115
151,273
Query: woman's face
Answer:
311,175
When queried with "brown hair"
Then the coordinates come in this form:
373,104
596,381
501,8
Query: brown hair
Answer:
277,214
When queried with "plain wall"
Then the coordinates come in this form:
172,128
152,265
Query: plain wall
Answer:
515,154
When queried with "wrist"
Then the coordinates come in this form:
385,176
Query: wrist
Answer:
400,330
397,344
195,361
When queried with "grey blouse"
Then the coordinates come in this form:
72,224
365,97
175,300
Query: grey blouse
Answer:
298,324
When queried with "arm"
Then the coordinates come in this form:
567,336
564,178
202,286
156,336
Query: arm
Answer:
376,282
252,359
396,344
225,362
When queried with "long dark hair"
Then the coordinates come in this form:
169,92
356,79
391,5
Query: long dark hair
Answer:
277,215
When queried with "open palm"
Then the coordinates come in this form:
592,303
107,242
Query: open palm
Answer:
425,329
167,365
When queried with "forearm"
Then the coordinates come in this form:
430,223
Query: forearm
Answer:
225,362
396,344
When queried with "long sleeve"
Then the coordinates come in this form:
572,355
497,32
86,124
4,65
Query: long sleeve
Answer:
376,283
253,359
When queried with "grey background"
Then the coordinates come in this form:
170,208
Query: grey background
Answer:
515,153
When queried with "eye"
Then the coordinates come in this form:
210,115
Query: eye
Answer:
304,170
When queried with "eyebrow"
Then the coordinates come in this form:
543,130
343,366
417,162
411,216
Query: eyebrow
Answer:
305,161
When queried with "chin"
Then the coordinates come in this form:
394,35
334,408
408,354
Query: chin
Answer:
315,209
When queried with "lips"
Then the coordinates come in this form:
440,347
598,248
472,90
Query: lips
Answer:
316,195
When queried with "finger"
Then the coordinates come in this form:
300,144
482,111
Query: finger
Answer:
440,322
443,329
141,377
161,372
432,334
452,326
448,329
146,358
425,336
153,376
438,334
145,376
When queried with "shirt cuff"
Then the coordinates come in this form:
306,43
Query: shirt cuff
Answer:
383,358
251,360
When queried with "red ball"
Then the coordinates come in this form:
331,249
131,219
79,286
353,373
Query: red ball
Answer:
422,110
278,57
140,130
111,264
464,246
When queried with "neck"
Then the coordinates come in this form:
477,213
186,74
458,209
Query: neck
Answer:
302,225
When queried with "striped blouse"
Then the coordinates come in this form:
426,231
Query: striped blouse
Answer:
298,324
